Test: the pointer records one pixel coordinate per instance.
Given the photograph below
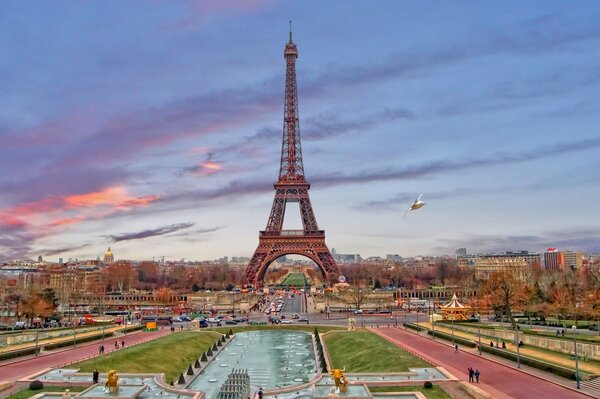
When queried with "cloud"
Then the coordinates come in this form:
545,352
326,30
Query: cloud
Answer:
444,166
587,240
56,251
150,233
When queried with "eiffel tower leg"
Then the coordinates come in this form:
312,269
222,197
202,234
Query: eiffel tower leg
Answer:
251,272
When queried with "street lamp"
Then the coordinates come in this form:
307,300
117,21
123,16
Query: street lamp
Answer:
574,328
453,315
433,324
518,346
479,331
418,321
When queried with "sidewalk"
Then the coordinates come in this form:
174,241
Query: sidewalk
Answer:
65,338
498,379
527,350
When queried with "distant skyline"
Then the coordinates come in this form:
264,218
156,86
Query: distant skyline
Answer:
155,127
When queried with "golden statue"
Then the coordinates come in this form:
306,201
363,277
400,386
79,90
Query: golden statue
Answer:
112,379
341,383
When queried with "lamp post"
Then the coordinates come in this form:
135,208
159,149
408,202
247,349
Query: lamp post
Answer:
453,344
518,346
418,331
432,322
574,328
479,331
37,339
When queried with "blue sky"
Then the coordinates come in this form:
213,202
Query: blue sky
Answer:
155,126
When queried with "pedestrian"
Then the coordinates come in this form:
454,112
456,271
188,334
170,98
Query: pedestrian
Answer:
503,345
456,348
477,375
95,376
492,344
471,374
122,344
260,393
116,344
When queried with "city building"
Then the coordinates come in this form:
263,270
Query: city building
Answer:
571,260
461,252
516,262
108,257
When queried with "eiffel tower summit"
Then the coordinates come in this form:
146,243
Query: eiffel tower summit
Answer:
292,186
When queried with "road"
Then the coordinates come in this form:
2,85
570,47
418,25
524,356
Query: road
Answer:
293,305
497,379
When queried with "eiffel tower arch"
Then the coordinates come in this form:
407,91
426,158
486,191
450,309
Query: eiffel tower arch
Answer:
274,242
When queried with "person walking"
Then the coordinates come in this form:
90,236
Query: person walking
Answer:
477,375
122,344
95,376
471,374
456,348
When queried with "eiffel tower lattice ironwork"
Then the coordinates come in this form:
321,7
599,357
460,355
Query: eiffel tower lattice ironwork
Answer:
292,186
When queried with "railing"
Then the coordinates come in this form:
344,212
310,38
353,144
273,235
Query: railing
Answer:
293,233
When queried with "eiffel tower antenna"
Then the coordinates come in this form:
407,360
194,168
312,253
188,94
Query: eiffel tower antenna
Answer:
274,242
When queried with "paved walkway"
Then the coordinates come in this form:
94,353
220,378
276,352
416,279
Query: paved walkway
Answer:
14,370
64,338
499,380
527,350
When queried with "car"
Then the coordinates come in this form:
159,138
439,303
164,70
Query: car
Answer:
358,311
20,325
286,321
177,320
213,320
184,318
220,317
302,320
230,322
295,316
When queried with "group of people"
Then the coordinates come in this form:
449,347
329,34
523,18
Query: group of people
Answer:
473,375
101,348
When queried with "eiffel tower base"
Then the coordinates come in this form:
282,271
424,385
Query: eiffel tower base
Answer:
272,246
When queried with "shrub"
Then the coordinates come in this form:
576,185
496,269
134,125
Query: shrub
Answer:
36,385
427,384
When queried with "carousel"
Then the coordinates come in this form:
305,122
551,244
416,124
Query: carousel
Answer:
455,310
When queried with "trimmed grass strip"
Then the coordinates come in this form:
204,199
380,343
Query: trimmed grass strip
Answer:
431,393
171,355
365,352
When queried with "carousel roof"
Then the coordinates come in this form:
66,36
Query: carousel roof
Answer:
454,304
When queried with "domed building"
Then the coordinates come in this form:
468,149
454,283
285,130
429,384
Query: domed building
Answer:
108,256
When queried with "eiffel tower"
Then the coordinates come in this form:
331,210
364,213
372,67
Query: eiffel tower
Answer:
274,242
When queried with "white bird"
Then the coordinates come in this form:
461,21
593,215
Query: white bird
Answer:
415,205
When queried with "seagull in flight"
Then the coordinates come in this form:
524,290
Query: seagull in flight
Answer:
415,205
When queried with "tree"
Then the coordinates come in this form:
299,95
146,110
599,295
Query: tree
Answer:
503,289
35,306
119,275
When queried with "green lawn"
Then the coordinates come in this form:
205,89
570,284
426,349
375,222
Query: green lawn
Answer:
27,393
295,279
431,393
363,351
301,327
171,355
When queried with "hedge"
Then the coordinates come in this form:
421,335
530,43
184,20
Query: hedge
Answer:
529,361
16,353
538,364
69,342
